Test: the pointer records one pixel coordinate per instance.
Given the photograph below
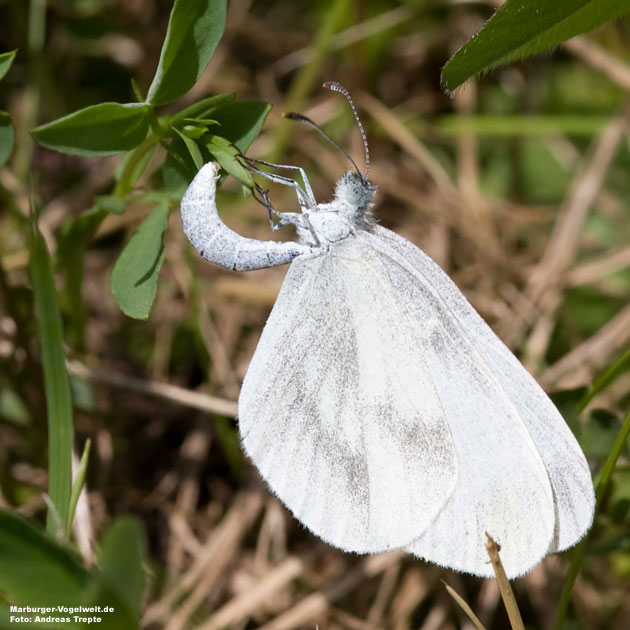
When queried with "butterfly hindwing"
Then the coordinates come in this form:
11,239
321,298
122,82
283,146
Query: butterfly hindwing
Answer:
533,420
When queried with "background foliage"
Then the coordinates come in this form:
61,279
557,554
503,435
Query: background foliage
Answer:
517,184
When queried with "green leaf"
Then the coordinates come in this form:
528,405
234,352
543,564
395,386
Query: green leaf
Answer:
238,123
136,272
177,172
102,129
521,28
6,61
35,570
202,108
7,136
242,121
226,154
122,554
204,122
194,30
192,147
56,382
197,128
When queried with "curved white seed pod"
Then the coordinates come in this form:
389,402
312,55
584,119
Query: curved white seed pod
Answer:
216,242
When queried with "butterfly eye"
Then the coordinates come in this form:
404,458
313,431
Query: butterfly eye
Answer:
354,189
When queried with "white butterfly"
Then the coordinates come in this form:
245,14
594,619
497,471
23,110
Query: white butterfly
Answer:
379,406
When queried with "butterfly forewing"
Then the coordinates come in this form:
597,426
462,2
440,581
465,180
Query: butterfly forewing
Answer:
339,410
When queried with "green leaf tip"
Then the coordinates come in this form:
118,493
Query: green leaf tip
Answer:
194,30
6,61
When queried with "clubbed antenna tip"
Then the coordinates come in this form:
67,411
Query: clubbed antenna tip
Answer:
293,116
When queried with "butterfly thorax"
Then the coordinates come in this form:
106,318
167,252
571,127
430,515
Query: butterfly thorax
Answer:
349,211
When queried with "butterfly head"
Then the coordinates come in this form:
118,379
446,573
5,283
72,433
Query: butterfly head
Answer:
356,190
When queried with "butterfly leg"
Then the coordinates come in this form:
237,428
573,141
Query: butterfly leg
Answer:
303,199
286,218
290,167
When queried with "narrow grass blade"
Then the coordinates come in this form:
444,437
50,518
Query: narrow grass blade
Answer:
463,604
618,368
77,486
56,381
522,125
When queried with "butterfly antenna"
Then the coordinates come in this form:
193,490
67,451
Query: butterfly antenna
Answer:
304,119
337,87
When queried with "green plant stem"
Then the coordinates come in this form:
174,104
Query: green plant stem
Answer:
159,130
578,553
125,182
303,82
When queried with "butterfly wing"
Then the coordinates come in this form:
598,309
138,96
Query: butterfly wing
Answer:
338,409
502,503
